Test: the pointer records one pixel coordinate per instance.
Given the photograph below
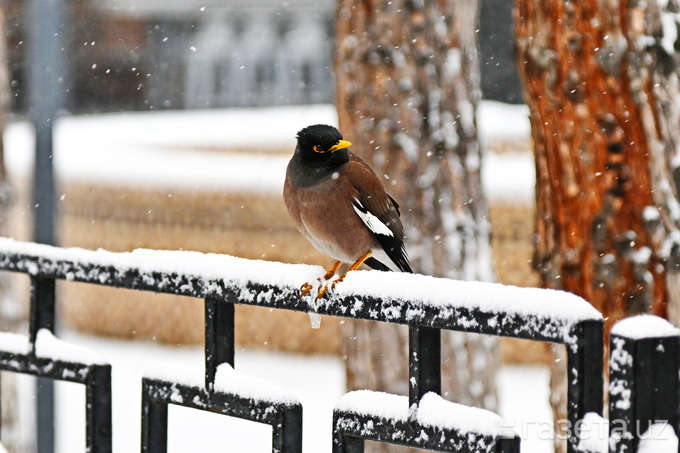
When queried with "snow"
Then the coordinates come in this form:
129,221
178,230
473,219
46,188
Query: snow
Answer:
377,404
500,121
14,343
145,149
175,150
669,25
620,359
659,438
205,265
594,434
509,177
524,393
433,411
176,373
644,326
50,347
227,380
490,297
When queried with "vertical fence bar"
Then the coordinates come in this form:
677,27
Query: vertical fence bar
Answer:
584,363
346,444
43,306
644,387
288,439
42,316
98,410
508,445
154,424
424,362
219,337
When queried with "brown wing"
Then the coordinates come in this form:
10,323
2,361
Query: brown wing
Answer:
375,203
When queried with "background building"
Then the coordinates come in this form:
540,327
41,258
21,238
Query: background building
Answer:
179,54
169,54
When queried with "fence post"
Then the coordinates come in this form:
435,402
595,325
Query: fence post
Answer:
584,374
424,362
644,383
219,338
346,444
154,423
42,316
98,410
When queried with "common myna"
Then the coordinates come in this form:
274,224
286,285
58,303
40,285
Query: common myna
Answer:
339,204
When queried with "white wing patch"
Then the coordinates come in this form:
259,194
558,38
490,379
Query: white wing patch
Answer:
372,222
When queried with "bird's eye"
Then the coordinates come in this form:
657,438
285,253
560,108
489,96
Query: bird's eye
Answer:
318,149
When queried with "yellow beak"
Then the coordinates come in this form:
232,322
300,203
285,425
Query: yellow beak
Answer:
340,145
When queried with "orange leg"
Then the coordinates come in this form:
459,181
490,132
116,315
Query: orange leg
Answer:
333,269
353,267
306,288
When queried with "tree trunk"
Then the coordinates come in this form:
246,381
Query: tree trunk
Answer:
601,78
10,313
407,88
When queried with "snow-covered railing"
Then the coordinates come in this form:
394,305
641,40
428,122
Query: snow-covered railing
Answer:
644,389
425,304
45,356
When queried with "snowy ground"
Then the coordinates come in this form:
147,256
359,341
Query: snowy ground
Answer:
177,149
318,382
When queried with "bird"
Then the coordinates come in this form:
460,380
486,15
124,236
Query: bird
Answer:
339,204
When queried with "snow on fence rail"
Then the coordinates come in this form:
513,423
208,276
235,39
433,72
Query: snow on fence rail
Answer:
425,304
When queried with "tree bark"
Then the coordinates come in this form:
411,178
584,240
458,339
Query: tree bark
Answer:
601,80
407,89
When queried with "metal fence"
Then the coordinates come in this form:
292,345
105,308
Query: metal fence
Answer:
431,305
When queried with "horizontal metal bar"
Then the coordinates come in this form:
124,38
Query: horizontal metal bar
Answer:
463,318
44,367
412,434
266,412
284,418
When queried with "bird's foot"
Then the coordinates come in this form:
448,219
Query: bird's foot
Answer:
322,291
319,287
313,292
305,289
331,286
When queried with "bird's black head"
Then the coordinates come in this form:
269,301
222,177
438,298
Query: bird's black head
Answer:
321,143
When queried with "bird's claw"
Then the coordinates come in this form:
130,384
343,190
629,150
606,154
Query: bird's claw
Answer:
322,291
305,289
322,283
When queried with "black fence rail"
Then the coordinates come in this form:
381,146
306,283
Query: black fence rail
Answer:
426,304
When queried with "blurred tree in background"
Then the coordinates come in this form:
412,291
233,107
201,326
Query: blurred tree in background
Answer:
601,81
407,89
10,314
